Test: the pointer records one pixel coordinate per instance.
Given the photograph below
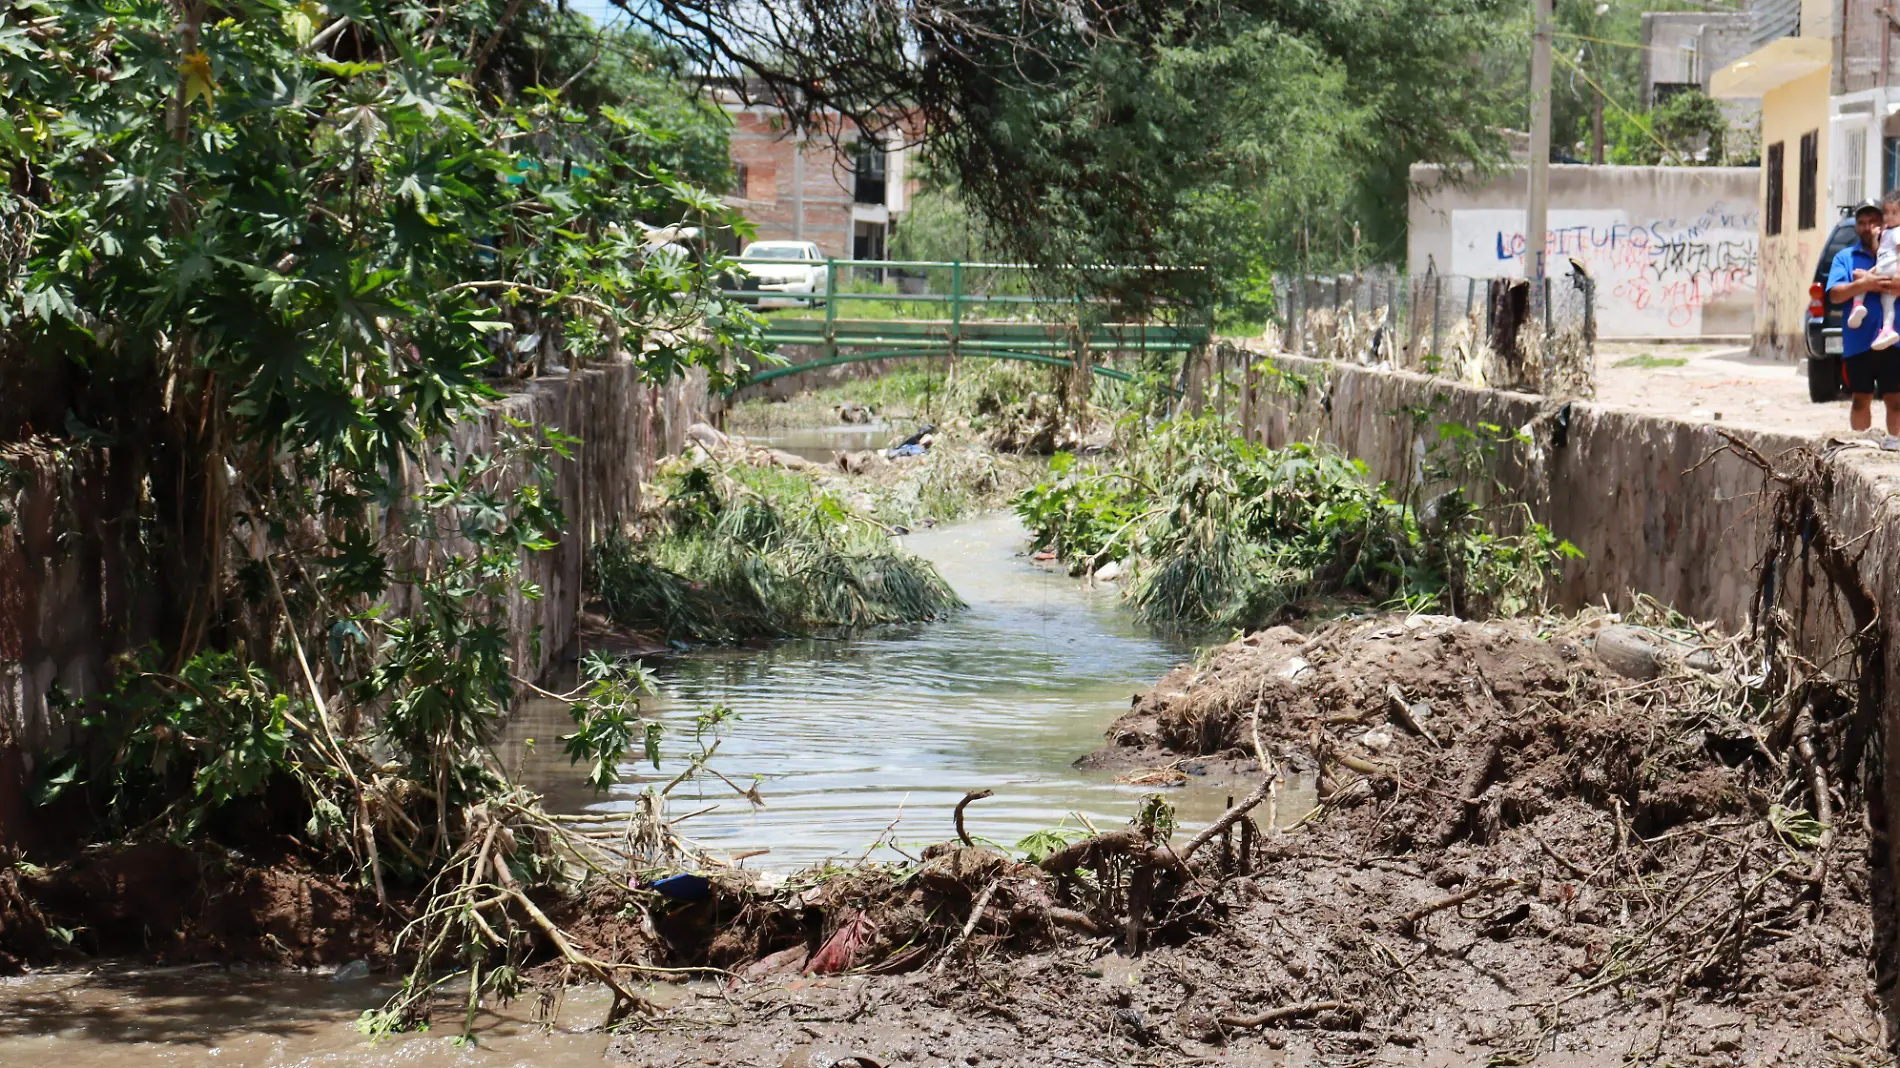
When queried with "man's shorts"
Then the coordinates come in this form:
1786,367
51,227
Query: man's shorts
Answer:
1873,371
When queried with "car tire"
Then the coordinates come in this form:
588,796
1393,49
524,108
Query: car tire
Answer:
1824,379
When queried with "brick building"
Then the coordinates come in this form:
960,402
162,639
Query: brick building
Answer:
1683,50
845,189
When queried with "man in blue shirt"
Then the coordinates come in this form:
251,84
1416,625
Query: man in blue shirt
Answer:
1867,370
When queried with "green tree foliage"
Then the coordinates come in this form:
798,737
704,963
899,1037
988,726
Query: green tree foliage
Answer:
1687,129
1598,60
1243,136
1246,139
671,126
267,256
938,225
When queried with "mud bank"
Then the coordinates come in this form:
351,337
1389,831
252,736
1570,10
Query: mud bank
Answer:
168,905
1520,855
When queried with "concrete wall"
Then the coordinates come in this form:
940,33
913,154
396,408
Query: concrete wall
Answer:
1631,490
1673,249
72,596
1686,47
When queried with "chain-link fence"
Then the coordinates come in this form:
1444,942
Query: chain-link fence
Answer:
1484,331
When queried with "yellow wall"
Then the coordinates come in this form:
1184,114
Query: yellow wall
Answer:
1788,258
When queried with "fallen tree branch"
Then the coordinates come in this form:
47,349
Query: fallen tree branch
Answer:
1470,893
1227,819
624,999
1284,1012
1128,843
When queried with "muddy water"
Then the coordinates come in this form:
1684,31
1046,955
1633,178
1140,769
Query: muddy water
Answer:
204,1016
897,725
821,444
845,736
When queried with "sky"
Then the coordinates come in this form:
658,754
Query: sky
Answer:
601,11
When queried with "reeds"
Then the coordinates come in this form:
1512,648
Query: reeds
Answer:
737,551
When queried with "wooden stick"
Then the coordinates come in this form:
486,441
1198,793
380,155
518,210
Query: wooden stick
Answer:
323,716
976,916
1410,919
977,795
1285,1012
1227,818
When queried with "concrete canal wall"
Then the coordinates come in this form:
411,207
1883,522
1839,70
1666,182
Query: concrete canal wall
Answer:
73,594
1653,501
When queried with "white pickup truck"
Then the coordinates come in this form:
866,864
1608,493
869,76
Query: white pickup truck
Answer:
784,273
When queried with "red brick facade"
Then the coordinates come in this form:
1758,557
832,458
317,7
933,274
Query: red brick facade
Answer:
809,189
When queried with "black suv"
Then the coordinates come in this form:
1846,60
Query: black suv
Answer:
1824,322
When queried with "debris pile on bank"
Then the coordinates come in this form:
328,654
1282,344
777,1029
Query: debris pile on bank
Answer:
1517,850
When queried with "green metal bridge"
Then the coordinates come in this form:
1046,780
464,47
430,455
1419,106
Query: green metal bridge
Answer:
971,319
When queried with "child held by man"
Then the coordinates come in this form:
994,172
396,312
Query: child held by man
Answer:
1886,265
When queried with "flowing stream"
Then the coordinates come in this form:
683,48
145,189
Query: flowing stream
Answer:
850,740
897,725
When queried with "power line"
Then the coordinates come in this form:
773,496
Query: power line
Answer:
1627,113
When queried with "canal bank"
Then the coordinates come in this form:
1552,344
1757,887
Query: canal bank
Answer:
1003,959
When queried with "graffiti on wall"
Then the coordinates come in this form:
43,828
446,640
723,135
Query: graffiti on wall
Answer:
1655,277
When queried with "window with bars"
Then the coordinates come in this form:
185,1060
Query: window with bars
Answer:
741,178
1806,196
1850,186
1771,206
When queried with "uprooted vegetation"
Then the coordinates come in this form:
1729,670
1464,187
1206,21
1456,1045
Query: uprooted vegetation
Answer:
734,549
954,479
1518,850
1218,531
1543,839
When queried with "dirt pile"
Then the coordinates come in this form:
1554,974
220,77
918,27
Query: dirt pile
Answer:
173,905
1520,856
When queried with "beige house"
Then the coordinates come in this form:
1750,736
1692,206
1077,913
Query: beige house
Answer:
1793,75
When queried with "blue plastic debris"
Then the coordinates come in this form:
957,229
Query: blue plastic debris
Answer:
684,887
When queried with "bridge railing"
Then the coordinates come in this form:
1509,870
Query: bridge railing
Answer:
988,307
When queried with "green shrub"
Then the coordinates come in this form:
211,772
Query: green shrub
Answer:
737,551
1224,533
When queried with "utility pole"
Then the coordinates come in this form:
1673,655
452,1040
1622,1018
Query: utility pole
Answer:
1537,219
1596,130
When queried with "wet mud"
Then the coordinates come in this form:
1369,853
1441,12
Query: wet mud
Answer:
167,904
1519,856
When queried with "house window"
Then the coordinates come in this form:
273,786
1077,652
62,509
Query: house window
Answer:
1771,208
1850,186
1689,68
869,168
1806,194
741,176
